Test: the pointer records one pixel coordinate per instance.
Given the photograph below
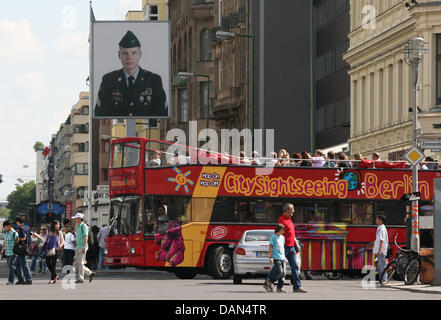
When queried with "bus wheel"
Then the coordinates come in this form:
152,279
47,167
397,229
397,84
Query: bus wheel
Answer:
237,279
220,263
185,273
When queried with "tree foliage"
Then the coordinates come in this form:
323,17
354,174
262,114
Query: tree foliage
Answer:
5,212
38,146
21,197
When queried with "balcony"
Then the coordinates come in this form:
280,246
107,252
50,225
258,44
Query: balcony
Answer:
202,9
228,101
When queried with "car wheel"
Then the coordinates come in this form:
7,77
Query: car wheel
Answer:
237,279
220,263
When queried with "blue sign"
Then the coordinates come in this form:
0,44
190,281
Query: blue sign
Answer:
50,207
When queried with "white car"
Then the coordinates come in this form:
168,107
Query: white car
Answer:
251,255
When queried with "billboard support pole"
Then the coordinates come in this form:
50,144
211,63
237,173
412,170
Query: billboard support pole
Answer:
130,128
89,169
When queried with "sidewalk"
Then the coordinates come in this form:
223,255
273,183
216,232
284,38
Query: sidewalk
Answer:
418,288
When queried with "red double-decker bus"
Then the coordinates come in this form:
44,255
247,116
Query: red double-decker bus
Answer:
186,218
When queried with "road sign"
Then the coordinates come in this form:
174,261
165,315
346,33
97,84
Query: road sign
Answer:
411,196
102,188
434,144
414,155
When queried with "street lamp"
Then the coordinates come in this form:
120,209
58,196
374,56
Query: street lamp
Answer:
414,55
225,35
186,75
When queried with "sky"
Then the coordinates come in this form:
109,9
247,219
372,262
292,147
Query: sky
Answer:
45,64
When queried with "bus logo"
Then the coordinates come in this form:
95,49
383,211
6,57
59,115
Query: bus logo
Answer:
181,180
218,233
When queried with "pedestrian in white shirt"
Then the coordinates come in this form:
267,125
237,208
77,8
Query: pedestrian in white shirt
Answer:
381,244
69,247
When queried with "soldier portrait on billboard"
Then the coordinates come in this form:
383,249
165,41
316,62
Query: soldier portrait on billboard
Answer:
131,91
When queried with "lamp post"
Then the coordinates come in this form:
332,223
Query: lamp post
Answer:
414,55
186,75
225,35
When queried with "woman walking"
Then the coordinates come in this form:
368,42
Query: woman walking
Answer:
51,252
69,247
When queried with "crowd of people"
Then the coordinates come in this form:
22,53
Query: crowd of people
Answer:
80,248
297,159
320,160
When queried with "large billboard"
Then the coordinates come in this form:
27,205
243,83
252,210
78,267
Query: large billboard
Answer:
130,69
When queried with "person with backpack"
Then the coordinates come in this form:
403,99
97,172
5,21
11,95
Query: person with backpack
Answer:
21,263
94,249
82,235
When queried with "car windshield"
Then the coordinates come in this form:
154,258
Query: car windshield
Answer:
125,215
258,236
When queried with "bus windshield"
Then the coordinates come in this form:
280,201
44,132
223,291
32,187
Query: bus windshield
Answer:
126,155
125,215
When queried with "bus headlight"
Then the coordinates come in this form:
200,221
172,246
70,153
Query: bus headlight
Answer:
132,250
106,251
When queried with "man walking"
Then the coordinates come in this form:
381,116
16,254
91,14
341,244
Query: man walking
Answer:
21,263
381,244
101,237
290,251
11,237
82,231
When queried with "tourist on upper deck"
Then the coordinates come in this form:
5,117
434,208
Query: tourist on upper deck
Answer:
296,159
342,160
256,159
330,163
156,160
358,158
431,163
318,160
307,162
283,158
376,156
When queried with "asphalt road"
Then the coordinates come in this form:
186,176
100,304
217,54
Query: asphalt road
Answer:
156,285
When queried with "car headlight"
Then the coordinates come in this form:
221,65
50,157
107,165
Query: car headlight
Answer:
132,250
106,251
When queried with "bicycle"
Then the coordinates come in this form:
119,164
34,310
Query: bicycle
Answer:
406,264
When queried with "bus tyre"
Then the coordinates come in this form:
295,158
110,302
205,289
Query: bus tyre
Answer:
185,273
237,279
220,263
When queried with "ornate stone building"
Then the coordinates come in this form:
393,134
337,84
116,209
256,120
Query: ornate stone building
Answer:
381,88
217,99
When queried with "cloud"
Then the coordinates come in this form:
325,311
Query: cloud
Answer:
31,85
73,43
18,44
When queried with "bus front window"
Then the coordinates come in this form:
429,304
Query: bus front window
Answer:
126,155
126,215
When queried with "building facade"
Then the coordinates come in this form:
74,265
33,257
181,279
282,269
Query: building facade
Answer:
381,85
191,36
79,151
63,174
41,176
331,88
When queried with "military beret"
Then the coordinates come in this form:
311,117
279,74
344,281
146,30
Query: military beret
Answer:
129,41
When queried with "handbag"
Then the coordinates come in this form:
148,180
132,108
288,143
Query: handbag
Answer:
50,252
20,249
